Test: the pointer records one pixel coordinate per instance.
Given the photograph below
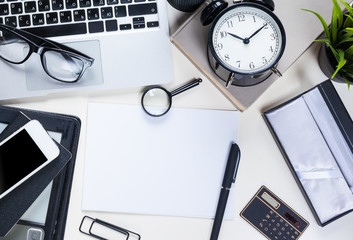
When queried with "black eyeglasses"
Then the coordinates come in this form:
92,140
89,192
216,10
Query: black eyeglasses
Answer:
59,61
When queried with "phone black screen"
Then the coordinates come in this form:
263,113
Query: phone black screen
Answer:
19,156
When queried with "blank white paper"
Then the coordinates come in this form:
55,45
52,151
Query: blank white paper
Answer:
172,165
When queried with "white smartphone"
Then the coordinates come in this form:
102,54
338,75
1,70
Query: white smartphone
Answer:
24,153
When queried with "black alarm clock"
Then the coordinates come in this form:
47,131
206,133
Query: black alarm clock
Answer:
245,42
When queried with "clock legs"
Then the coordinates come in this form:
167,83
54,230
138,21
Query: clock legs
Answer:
276,71
232,78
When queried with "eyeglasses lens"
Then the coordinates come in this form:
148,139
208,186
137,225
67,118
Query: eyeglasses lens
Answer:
12,47
62,66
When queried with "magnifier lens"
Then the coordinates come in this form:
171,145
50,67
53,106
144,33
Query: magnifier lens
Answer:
156,101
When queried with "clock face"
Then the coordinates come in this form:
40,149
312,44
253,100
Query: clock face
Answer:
247,39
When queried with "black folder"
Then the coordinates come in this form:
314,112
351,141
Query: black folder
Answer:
60,172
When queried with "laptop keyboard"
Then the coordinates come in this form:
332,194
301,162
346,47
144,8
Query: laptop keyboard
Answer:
51,18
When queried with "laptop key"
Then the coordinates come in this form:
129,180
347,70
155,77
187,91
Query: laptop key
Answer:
71,4
142,9
4,9
125,26
30,7
24,20
85,3
112,2
98,2
57,4
38,19
43,5
95,27
111,25
52,17
126,1
106,12
65,16
138,22
93,13
59,30
120,11
152,24
16,8
79,15
11,21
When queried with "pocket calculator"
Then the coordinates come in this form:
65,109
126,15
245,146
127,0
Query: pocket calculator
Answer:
272,217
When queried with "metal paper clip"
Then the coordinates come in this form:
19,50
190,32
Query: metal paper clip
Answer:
99,229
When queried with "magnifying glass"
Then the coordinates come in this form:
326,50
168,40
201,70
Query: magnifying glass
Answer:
156,101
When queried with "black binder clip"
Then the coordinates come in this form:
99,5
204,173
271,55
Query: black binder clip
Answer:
102,230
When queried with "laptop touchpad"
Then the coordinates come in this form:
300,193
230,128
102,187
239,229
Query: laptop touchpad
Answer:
37,79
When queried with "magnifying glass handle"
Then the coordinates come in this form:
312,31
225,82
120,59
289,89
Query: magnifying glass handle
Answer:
186,87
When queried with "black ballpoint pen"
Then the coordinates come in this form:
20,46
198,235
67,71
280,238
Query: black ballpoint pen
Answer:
228,179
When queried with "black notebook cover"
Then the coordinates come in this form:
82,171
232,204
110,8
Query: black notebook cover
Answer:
60,169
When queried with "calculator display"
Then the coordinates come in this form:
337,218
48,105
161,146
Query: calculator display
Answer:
270,200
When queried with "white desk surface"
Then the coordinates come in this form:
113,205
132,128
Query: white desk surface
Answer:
261,162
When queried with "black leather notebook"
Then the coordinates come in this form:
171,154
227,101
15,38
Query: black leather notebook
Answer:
55,178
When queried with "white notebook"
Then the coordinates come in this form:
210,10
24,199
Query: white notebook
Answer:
171,165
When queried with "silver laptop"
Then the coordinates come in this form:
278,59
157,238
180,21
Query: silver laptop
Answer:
129,40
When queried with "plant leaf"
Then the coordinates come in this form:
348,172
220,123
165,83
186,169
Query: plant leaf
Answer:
349,53
341,62
324,24
348,83
346,33
346,73
339,13
336,21
333,50
348,7
345,40
348,22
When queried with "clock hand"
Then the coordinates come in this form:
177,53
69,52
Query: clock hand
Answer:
257,31
236,36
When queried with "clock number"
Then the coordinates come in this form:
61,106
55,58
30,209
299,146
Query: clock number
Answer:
253,17
241,18
251,65
223,34
226,57
238,62
271,49
230,24
220,46
273,36
264,60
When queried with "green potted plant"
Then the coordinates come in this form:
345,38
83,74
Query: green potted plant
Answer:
336,54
